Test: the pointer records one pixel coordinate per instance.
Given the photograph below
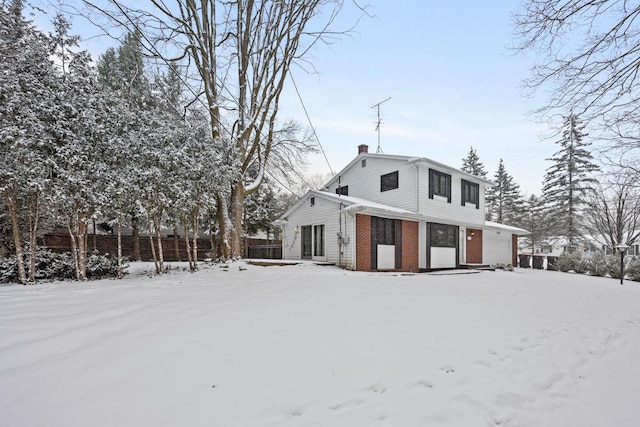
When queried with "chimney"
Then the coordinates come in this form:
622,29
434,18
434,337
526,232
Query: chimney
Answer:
363,148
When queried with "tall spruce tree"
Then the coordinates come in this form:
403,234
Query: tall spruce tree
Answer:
503,200
472,164
568,180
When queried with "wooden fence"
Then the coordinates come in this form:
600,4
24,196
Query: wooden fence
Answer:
173,249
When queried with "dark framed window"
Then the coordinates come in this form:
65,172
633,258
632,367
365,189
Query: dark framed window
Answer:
470,193
318,240
443,236
383,230
439,184
389,181
312,201
343,191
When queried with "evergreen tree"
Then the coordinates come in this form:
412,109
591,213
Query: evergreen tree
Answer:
568,180
503,200
472,164
27,84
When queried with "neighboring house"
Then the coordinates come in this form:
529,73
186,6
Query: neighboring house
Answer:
397,213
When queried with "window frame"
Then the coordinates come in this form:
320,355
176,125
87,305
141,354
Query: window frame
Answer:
435,187
465,187
385,185
342,190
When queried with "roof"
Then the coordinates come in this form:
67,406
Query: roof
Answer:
509,228
356,204
410,159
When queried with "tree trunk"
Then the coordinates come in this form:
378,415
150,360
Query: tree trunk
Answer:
223,218
33,230
156,223
186,241
176,246
119,225
17,239
74,246
82,248
153,247
195,215
237,209
136,237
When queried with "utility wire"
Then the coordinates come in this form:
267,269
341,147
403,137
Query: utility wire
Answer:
304,108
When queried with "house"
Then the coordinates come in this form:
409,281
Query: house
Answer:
397,213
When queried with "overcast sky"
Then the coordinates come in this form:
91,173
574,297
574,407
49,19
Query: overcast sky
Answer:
451,78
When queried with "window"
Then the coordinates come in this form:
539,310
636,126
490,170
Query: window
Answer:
383,230
343,191
389,181
363,163
439,184
312,201
443,236
318,240
470,193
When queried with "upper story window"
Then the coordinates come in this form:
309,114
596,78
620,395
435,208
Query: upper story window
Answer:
343,190
389,181
363,163
439,184
312,201
470,193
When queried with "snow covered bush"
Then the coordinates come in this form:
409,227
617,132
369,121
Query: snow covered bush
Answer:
597,265
582,266
632,269
567,262
502,266
613,266
102,266
55,266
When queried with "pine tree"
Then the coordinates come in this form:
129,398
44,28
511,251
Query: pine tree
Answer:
568,180
472,164
503,200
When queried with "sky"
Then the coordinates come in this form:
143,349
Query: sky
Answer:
448,78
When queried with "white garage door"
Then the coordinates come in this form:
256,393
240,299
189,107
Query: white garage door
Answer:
496,251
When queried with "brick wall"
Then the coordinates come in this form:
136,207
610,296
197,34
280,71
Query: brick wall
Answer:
410,244
474,246
363,243
514,249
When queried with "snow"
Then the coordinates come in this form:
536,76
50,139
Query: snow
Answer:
308,345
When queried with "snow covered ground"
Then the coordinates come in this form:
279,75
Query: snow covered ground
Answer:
308,345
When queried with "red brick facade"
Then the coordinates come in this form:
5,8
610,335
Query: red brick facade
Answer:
410,244
363,243
474,246
514,250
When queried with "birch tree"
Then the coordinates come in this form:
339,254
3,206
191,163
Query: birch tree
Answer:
243,52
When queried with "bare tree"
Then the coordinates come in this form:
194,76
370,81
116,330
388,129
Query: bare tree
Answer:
243,51
589,57
614,214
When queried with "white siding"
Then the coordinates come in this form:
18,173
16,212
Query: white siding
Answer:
324,212
453,212
365,182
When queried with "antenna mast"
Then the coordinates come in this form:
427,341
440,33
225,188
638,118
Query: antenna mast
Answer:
377,106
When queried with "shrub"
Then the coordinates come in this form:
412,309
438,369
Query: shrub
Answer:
598,265
55,266
502,266
613,266
567,262
632,270
582,266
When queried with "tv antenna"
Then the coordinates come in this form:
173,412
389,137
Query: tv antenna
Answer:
378,123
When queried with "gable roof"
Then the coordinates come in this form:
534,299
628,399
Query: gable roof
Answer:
409,159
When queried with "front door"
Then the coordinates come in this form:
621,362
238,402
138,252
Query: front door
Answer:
474,246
